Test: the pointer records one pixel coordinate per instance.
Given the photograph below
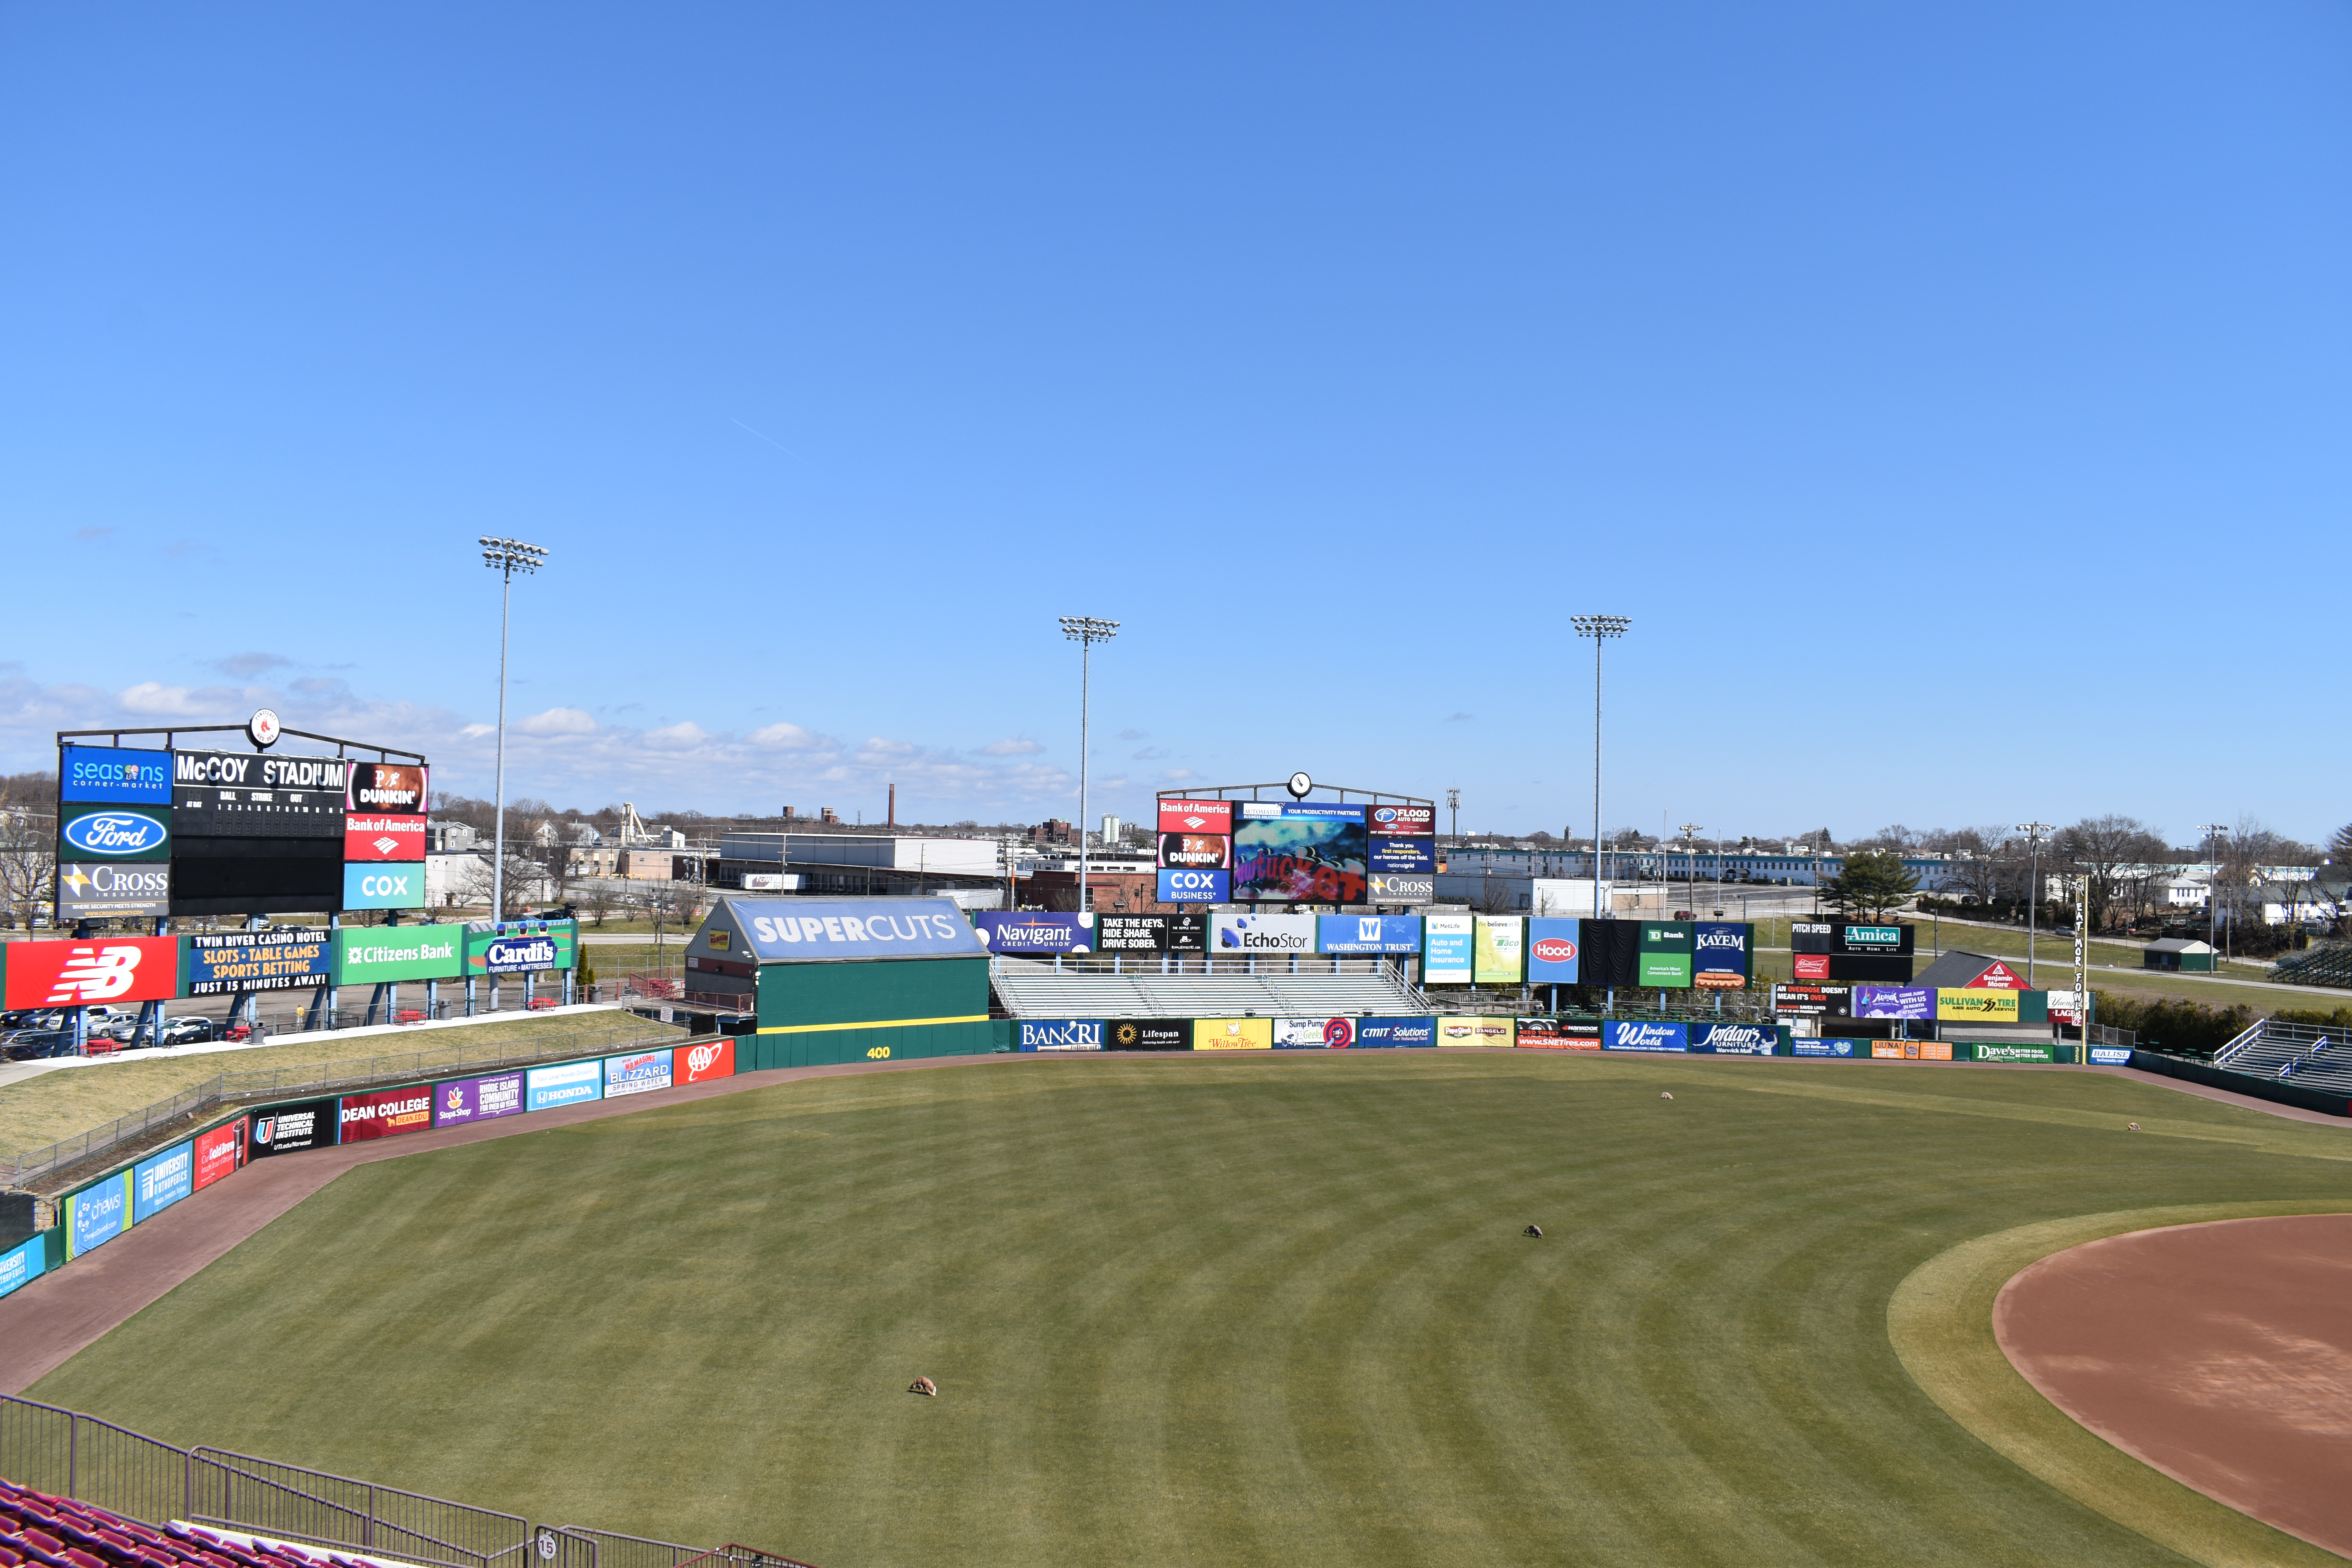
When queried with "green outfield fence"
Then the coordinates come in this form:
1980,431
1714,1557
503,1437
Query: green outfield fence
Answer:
69,1454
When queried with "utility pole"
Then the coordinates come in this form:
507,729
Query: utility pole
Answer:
1454,805
1600,629
1085,631
507,557
2036,832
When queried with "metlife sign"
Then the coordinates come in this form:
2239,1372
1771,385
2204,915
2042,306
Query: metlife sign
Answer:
384,887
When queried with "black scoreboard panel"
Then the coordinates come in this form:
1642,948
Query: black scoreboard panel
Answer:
209,811
218,875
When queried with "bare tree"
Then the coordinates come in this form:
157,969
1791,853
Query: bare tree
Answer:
2339,848
2100,847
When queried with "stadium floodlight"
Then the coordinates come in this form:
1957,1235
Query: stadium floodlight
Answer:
2213,832
1600,629
2036,832
1085,631
506,557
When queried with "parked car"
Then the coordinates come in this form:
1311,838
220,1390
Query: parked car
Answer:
27,1045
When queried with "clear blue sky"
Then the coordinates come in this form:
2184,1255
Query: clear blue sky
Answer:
1956,397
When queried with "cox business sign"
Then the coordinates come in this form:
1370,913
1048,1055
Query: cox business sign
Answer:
384,886
1195,887
114,834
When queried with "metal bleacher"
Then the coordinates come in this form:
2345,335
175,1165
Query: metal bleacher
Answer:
1324,987
2322,963
2308,1055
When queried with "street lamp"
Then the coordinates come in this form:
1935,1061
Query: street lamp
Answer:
1690,862
2036,832
1085,631
506,557
1600,629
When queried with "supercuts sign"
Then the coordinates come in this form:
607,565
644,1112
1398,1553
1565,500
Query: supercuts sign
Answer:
396,788
1211,816
82,973
855,928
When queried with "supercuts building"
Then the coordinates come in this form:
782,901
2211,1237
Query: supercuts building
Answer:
837,980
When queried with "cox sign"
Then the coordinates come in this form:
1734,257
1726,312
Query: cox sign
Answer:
1195,887
384,886
114,834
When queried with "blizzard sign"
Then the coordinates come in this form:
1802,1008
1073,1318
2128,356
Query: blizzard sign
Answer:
1735,1039
1061,1035
636,1073
79,974
1618,1035
856,928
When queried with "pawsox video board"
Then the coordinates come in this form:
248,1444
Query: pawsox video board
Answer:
188,831
1299,851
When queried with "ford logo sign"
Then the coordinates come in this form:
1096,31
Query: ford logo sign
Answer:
114,833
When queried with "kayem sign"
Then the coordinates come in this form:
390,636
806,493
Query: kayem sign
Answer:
224,963
372,955
378,838
81,973
387,1112
100,889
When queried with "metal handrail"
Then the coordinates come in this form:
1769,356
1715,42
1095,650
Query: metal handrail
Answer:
322,1519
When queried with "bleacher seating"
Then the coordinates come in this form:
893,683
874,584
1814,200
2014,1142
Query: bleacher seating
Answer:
1029,989
2321,963
58,1532
2299,1054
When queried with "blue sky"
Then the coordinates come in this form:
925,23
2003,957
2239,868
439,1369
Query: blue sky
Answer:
1956,398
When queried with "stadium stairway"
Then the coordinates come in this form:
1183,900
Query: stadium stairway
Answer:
2301,1054
1029,989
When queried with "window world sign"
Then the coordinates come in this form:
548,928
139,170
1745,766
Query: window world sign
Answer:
520,947
218,965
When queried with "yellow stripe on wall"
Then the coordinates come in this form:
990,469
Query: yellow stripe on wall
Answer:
872,1024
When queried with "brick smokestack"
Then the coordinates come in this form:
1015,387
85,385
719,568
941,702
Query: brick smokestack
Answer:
894,806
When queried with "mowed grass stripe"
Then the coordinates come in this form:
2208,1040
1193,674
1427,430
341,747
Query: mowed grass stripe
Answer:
1233,1312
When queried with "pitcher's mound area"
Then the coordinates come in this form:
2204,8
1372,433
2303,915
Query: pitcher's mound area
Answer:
2220,1353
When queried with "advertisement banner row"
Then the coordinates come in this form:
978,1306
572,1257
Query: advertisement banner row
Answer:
1454,950
104,1209
1339,1034
1911,1003
126,969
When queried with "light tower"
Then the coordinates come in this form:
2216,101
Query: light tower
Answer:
1085,631
506,557
1600,629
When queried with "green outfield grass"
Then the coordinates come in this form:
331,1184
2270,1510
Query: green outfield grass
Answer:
1262,1312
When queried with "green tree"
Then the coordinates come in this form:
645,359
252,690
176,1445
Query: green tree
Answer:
1874,881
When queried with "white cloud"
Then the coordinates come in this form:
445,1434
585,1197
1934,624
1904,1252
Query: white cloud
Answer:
1011,747
559,722
787,738
684,736
878,746
152,699
1178,775
249,665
